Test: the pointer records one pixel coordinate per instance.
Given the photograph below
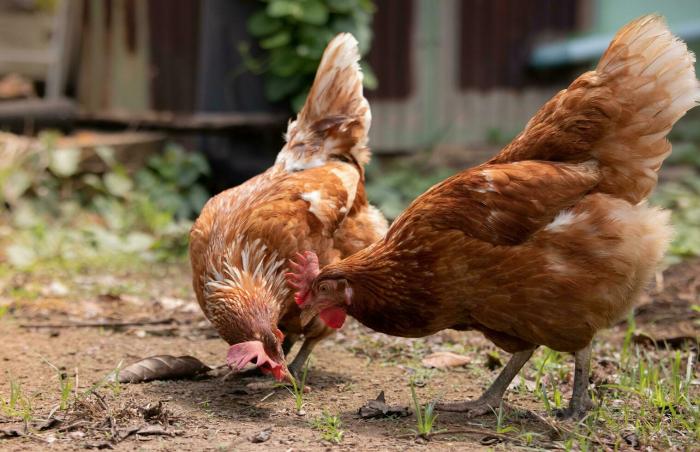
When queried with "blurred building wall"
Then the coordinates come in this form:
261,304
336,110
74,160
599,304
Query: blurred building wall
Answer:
469,71
454,72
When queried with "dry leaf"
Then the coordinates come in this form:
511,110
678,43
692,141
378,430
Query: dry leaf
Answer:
163,367
443,360
664,339
378,408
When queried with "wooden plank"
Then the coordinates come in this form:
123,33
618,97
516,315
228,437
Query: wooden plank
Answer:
185,122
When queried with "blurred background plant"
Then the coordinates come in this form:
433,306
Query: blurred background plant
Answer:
293,34
54,206
392,184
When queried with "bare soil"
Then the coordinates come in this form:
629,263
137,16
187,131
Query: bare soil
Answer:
224,414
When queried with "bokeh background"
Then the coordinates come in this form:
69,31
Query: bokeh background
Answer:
120,118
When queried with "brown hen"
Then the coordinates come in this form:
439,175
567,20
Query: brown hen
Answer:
313,198
545,244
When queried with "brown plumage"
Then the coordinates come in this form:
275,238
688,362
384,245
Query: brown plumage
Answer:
312,198
546,243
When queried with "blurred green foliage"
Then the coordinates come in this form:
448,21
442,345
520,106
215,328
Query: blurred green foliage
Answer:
293,35
682,197
53,209
393,185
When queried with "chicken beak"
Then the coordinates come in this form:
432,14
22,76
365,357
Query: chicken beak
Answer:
307,316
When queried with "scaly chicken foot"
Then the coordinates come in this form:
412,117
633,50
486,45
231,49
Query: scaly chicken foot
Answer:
491,398
580,399
296,368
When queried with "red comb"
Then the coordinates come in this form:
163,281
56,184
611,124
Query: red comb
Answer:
304,269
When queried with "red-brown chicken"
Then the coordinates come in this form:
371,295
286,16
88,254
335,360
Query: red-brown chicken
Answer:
546,243
312,198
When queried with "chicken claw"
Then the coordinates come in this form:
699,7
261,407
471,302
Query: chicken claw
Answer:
491,399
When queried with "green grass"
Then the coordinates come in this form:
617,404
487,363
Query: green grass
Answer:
65,386
110,381
18,404
297,389
650,395
425,415
501,427
329,426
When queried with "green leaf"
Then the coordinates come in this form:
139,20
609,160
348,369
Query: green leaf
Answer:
92,180
117,184
341,6
20,256
197,197
277,88
15,185
367,6
25,216
64,162
138,241
279,39
285,8
313,41
200,162
314,12
106,153
107,240
261,24
369,79
284,62
187,176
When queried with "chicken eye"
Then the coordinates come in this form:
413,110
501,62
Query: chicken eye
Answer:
323,288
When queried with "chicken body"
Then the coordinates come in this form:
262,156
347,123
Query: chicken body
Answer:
312,198
545,244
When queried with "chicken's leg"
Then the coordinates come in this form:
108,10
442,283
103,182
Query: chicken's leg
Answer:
490,399
580,400
297,365
288,343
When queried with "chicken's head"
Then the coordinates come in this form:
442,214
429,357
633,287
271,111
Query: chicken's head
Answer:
265,352
318,294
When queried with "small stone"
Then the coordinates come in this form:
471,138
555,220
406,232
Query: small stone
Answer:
76,435
261,436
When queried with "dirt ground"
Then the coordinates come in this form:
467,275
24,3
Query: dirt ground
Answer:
215,414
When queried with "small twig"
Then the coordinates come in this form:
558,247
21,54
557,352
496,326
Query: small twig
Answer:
471,431
552,427
73,425
110,419
52,412
267,396
98,324
36,438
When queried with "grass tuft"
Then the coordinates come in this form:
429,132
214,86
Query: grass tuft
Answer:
18,404
297,389
425,415
329,426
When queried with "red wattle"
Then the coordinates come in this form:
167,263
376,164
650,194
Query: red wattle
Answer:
333,317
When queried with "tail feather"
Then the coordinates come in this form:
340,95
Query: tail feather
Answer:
619,114
336,117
